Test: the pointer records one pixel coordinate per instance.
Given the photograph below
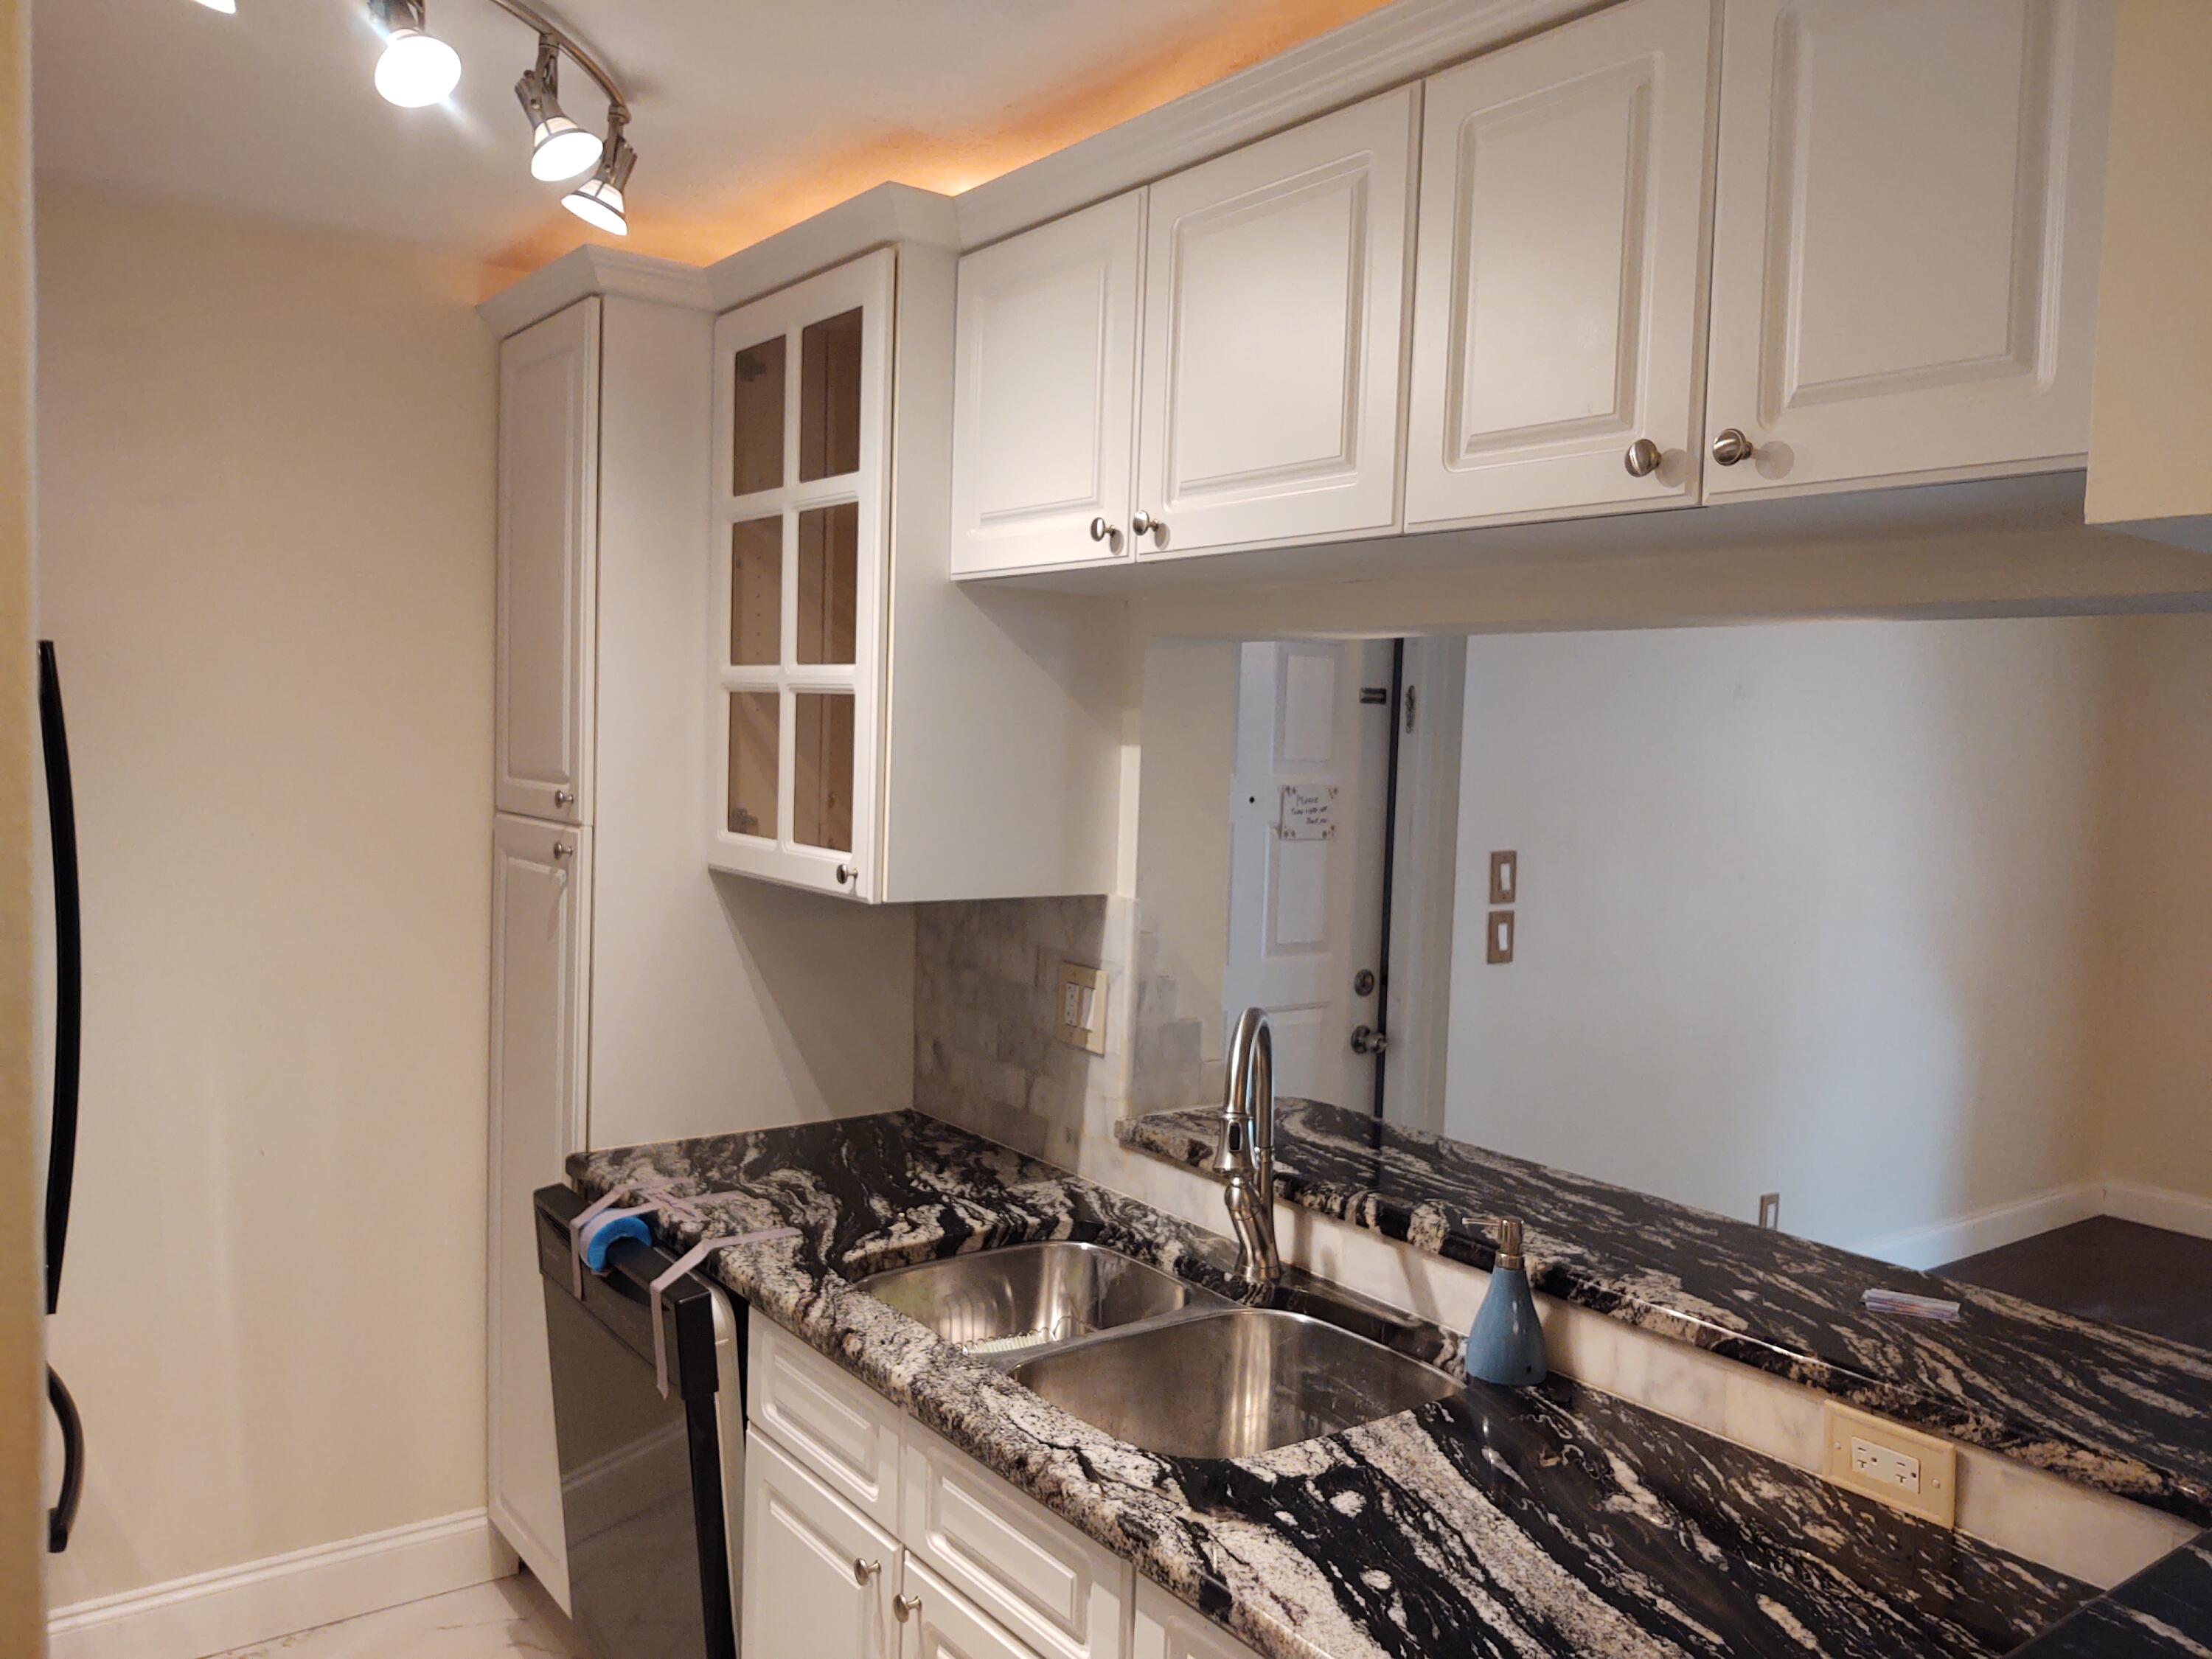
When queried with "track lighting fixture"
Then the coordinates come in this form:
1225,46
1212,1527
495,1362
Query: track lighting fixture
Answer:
598,200
559,148
417,68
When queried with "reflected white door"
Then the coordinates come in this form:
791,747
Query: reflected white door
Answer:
1305,885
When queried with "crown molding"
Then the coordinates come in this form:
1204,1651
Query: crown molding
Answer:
1385,49
875,218
587,270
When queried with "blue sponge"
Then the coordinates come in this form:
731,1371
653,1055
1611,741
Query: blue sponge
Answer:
601,1232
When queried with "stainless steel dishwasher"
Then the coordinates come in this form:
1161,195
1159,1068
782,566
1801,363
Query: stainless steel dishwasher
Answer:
653,1546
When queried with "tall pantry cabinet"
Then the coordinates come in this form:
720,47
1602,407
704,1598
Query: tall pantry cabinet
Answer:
597,764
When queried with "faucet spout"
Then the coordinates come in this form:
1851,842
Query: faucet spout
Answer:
1246,1155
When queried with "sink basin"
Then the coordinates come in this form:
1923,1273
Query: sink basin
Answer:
1019,1298
1230,1384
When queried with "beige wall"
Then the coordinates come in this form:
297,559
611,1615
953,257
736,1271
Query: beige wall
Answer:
23,1626
265,515
2154,1054
1806,908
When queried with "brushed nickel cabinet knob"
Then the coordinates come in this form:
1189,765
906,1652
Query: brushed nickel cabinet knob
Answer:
1732,446
864,1571
905,1606
563,797
1643,458
1144,524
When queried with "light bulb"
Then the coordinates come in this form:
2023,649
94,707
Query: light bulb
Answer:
562,149
598,202
229,8
416,69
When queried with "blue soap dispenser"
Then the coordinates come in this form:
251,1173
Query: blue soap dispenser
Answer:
1507,1344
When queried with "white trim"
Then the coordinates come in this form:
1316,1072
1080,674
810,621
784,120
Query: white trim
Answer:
1988,1228
1385,49
584,272
233,1607
888,213
2158,1206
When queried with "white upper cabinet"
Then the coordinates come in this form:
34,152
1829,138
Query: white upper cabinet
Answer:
1272,337
802,452
1044,394
548,464
1561,283
1906,239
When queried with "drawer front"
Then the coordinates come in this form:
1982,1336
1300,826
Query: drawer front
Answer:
940,1623
1166,1629
1062,1595
834,1424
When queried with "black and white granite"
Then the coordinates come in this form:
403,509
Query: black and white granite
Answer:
2165,1609
2114,1408
1497,1523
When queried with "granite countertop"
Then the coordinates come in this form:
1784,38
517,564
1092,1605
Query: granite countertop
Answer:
1558,1522
2113,1408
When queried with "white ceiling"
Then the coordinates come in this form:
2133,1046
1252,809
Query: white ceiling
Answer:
749,114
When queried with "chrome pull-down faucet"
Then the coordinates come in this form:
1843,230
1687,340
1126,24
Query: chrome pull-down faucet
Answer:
1246,1156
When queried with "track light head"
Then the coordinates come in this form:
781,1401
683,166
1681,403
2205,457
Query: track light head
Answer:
417,68
598,200
229,7
559,148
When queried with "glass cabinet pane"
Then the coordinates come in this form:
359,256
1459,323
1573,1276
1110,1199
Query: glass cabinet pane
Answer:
752,763
821,781
830,398
757,593
756,429
829,566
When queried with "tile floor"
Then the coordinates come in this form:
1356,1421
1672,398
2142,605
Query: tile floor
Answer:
511,1615
2121,1271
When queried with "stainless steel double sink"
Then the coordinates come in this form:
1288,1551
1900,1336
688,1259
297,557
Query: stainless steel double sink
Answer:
1162,1364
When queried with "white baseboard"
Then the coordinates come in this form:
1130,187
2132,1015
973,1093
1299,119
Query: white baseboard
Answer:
234,1607
2158,1206
1923,1247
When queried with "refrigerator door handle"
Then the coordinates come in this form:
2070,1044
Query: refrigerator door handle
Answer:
69,970
62,1517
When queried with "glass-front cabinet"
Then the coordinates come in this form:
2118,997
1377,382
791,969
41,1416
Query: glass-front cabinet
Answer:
802,458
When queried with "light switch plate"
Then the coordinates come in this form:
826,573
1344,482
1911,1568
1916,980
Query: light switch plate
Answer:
1500,949
1900,1467
1080,1008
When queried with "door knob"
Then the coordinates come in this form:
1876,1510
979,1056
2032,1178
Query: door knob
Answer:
1144,524
1643,458
1732,446
1366,1040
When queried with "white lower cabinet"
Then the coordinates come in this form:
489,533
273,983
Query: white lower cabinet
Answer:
977,1570
1166,1629
818,1574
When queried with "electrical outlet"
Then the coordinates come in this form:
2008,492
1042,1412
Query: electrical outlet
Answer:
1079,1018
1900,1467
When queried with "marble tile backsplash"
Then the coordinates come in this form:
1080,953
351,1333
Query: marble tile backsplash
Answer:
986,1058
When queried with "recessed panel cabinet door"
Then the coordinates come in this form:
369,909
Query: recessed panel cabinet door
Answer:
818,1579
1561,283
540,945
1274,306
1044,399
937,1622
548,460
1906,239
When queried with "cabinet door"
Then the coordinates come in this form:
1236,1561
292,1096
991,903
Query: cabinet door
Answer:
540,945
1560,281
1166,1629
1274,306
548,458
1044,394
802,456
937,1622
818,1577
1906,239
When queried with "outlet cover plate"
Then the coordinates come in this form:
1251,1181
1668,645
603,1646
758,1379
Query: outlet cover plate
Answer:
1875,1457
1080,1008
